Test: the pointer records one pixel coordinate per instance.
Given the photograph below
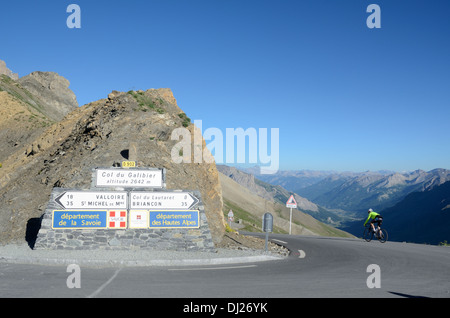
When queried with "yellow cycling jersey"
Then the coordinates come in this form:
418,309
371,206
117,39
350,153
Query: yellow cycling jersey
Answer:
372,215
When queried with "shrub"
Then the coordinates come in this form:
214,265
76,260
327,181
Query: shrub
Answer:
185,118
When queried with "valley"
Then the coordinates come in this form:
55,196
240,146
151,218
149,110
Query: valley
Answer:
414,204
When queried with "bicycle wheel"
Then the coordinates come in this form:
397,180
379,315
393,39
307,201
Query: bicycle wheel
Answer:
383,236
368,234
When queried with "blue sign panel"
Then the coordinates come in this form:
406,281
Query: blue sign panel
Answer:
68,219
174,219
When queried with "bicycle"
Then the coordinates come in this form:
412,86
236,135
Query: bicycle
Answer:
380,234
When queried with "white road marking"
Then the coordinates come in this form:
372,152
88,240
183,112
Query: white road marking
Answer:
105,284
302,254
282,242
210,268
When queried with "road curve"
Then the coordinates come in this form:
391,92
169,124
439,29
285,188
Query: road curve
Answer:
342,267
317,267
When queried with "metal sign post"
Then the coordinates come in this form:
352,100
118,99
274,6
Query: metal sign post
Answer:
291,203
267,227
290,222
230,217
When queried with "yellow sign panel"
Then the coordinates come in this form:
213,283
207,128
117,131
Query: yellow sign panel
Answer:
128,164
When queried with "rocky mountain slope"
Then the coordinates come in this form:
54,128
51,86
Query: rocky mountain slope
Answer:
29,105
99,134
377,191
52,90
250,207
46,92
279,195
421,217
356,192
4,70
19,124
414,204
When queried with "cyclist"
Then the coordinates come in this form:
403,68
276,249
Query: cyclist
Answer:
376,218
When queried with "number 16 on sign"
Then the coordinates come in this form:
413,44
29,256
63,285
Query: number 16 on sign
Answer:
292,204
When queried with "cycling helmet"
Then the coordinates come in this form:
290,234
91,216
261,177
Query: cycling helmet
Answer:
370,210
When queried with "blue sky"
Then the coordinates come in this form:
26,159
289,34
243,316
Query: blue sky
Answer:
344,97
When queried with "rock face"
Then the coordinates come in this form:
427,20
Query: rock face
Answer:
99,134
19,123
27,110
6,71
53,91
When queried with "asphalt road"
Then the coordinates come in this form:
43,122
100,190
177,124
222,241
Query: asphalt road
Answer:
317,267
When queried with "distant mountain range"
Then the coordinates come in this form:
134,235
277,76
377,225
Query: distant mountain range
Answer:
421,217
249,198
415,205
279,195
356,192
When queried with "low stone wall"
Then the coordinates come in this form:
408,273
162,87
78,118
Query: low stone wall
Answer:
180,239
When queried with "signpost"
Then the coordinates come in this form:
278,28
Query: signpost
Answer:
138,219
125,207
130,178
292,204
69,219
117,219
174,219
92,200
162,200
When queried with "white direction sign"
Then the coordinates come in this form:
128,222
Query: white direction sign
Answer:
162,200
130,178
92,200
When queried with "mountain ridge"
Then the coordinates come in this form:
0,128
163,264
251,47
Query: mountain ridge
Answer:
4,70
52,90
29,105
421,217
414,204
250,207
279,195
410,219
355,192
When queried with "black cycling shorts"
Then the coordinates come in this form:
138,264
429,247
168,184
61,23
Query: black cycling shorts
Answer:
378,219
